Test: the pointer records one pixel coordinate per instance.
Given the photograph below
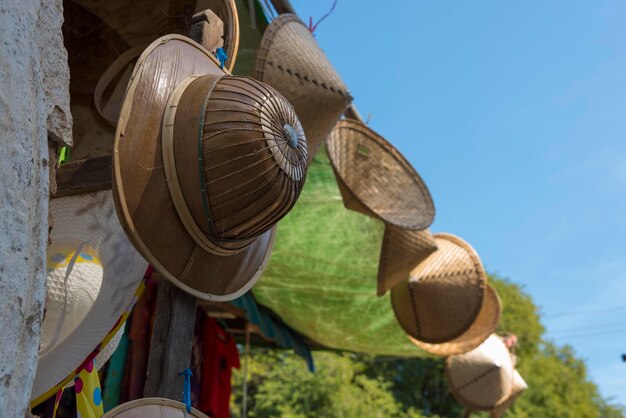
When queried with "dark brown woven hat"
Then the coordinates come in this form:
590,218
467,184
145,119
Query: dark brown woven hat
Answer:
444,298
482,378
376,180
485,324
290,60
204,166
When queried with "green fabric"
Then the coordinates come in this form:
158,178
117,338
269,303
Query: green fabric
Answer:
249,37
321,279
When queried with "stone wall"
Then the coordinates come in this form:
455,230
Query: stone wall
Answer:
34,106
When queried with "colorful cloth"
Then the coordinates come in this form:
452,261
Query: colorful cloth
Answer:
88,392
220,355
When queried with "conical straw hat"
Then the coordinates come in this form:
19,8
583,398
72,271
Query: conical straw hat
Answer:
402,250
290,60
485,324
444,296
153,408
86,303
376,180
204,165
482,378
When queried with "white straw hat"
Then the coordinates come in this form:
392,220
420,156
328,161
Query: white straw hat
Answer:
481,379
93,274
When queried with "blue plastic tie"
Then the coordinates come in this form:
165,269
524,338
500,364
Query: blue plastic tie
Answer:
221,56
187,388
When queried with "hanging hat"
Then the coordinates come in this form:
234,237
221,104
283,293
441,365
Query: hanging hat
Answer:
93,273
445,301
482,378
152,408
485,324
290,60
376,180
401,251
204,165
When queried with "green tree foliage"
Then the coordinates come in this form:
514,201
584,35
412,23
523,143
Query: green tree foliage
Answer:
362,386
280,386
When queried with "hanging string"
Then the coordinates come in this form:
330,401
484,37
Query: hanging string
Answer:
244,407
312,26
221,56
187,388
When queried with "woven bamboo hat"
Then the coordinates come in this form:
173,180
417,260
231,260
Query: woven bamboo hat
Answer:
376,180
485,324
446,299
93,273
402,250
290,60
153,408
482,378
204,165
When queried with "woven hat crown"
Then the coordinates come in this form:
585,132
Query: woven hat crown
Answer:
239,157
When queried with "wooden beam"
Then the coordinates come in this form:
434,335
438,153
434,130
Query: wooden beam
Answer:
170,348
84,176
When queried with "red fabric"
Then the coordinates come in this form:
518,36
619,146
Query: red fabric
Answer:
220,355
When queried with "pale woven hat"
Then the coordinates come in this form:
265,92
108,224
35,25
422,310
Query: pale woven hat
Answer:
482,378
444,300
85,305
82,288
375,179
153,408
290,60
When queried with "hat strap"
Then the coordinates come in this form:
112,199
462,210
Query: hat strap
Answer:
59,327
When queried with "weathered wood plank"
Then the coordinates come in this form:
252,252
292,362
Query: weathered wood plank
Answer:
170,348
83,176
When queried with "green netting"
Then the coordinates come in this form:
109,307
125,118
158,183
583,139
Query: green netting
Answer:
321,278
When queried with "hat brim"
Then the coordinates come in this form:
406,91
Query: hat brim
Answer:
140,190
91,219
152,407
375,179
485,324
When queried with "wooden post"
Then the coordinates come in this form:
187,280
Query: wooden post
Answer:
170,348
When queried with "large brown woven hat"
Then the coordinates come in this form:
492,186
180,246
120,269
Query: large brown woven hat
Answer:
204,165
482,378
485,324
445,299
375,179
290,60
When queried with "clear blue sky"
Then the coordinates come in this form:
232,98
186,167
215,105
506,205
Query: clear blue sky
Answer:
514,113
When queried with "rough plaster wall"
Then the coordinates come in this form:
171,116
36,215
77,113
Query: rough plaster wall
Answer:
34,105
